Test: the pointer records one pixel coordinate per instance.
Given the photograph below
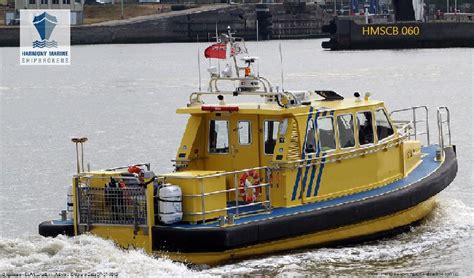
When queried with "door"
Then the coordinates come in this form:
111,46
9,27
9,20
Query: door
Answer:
268,132
218,142
244,142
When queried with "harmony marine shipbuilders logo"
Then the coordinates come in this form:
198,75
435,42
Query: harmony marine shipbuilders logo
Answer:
45,37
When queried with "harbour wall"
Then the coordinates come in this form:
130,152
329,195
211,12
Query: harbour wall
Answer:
278,21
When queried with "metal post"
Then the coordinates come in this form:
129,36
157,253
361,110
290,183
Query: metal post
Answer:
82,156
77,158
150,207
135,216
202,201
236,194
414,121
335,8
447,6
75,207
88,209
427,126
267,188
448,120
439,153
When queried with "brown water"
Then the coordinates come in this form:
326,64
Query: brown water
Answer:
123,98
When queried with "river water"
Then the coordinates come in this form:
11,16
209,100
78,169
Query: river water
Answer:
123,98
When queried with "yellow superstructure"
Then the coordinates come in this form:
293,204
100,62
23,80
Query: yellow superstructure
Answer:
297,172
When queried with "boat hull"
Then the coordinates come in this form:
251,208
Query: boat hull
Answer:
366,215
345,34
368,230
348,220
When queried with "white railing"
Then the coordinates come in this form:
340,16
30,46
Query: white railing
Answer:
444,129
414,122
234,210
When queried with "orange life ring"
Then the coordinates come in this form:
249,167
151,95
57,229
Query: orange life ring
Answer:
249,194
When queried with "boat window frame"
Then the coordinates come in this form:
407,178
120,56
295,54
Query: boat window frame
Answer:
319,138
263,137
249,130
389,122
373,130
315,133
354,131
209,141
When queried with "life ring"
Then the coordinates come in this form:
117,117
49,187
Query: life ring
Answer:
249,194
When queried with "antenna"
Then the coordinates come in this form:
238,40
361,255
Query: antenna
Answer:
199,61
258,64
218,61
231,48
281,67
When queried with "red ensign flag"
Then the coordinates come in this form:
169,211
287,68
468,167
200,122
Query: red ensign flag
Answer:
216,51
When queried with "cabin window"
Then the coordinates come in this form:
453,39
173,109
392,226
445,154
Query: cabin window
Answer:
310,138
364,125
245,132
44,2
218,136
56,2
327,141
66,1
270,131
345,125
384,128
32,2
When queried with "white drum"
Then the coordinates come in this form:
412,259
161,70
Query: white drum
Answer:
170,204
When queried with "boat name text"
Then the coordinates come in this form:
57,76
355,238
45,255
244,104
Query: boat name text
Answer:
390,31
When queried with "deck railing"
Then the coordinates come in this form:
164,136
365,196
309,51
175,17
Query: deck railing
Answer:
444,129
236,207
403,133
415,121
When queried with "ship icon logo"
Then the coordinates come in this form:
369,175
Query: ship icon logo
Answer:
45,24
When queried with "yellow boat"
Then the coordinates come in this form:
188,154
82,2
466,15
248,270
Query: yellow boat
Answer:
295,169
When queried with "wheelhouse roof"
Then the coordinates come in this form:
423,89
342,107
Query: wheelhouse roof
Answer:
275,109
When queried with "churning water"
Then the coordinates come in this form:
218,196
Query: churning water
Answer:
123,97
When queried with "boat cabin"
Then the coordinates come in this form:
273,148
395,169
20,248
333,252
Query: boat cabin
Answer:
298,152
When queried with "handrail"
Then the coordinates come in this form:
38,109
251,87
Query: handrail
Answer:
125,167
224,173
193,98
261,80
264,184
359,151
226,190
415,121
443,110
